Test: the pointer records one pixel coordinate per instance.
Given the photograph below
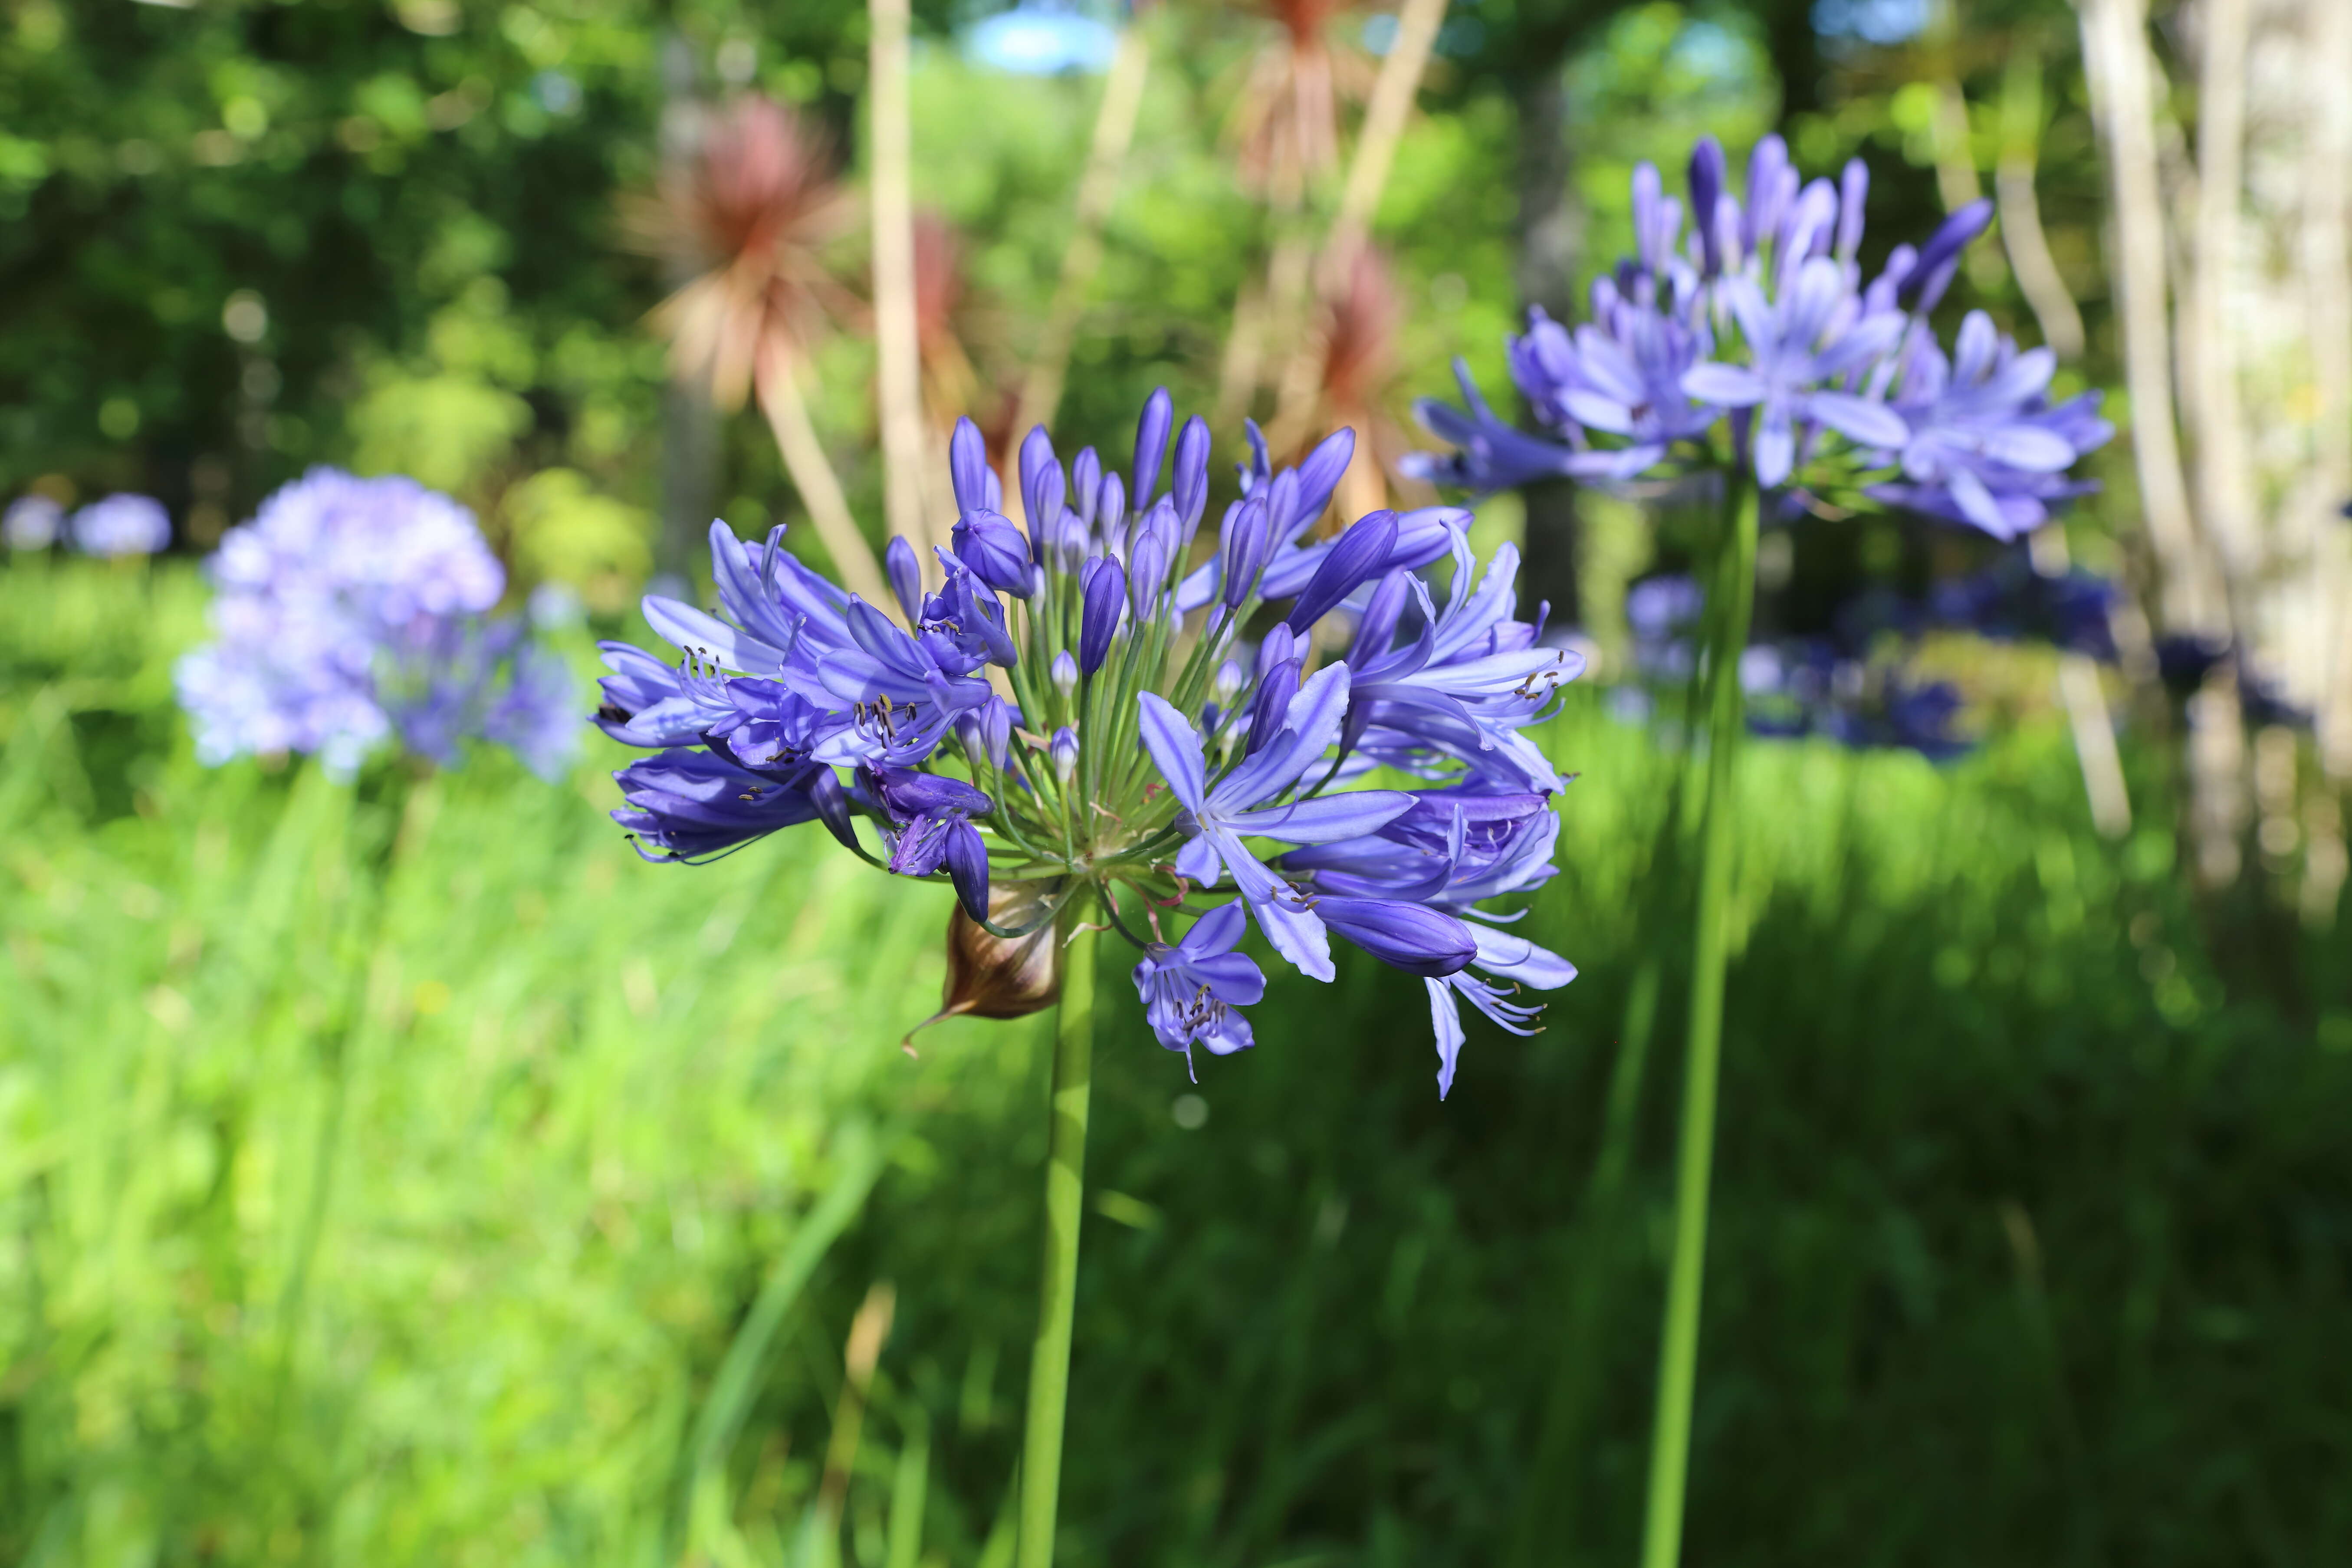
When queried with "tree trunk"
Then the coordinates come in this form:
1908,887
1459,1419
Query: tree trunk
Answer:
1551,233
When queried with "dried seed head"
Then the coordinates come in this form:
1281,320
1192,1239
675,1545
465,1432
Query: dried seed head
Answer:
754,211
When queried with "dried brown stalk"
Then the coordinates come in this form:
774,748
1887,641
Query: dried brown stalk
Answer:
898,380
1367,176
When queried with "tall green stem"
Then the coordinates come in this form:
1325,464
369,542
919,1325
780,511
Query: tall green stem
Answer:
1730,603
1065,1177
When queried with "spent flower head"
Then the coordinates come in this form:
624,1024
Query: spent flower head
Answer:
754,208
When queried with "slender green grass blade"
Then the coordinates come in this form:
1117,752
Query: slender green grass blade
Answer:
864,1154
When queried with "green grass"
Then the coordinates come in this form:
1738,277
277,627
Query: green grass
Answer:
388,1175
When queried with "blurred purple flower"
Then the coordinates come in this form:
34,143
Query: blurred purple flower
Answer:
120,525
32,522
1984,444
2010,601
1800,351
349,612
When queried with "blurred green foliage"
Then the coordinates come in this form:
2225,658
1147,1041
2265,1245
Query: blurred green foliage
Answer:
386,1173
240,238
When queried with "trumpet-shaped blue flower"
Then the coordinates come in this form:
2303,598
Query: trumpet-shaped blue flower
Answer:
1501,956
1217,816
1451,851
929,825
1465,685
1802,351
691,805
1193,991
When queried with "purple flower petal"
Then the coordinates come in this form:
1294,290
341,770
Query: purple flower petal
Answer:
1411,937
1175,748
1860,419
1325,819
1728,386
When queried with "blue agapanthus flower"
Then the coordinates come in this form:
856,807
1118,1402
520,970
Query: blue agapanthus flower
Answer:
1073,708
352,613
1983,444
121,524
1194,990
1753,341
32,522
2009,601
1809,687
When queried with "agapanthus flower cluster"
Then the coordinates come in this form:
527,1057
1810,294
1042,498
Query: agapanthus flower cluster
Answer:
1853,685
32,522
1752,341
1812,687
2009,601
1115,705
352,612
119,525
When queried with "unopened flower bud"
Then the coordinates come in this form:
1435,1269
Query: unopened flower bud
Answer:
1065,672
996,552
1228,682
1102,597
1063,749
1085,484
906,574
1151,444
968,466
1041,486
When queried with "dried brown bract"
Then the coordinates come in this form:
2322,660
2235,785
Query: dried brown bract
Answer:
991,976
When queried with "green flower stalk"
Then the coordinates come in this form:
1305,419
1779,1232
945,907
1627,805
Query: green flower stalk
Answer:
1057,1279
1750,353
1728,612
